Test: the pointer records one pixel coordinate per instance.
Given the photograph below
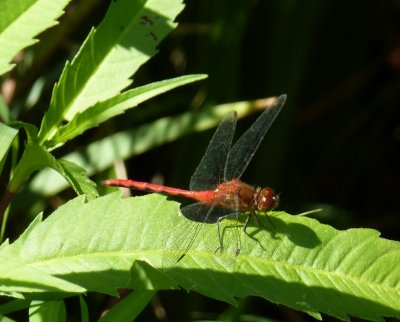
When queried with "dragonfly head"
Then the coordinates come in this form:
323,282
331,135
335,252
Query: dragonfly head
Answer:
267,199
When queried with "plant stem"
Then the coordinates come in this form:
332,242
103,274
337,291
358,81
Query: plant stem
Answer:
3,208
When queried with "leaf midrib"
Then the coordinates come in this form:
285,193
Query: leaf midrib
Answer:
251,259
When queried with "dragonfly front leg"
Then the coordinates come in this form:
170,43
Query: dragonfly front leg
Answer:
254,215
246,224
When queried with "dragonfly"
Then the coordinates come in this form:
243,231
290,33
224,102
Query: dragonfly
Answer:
216,184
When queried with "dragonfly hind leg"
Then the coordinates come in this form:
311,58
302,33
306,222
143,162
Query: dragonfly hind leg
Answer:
246,224
232,214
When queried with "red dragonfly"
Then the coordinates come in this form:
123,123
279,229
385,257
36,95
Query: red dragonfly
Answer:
216,182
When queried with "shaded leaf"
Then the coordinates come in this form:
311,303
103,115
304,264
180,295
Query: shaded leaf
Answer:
84,309
129,307
14,305
47,311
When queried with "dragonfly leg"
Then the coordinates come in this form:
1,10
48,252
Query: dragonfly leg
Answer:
254,215
258,220
219,236
246,224
269,219
221,246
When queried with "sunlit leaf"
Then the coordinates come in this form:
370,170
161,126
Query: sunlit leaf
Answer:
298,262
36,157
16,277
126,38
77,178
105,110
100,155
21,21
7,135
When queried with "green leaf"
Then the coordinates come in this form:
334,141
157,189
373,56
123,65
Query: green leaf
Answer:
101,155
77,177
36,157
13,306
125,40
5,114
6,319
7,135
298,262
84,309
129,307
47,311
16,278
105,110
21,21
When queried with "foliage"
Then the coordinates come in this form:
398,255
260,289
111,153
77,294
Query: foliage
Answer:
102,244
21,21
297,262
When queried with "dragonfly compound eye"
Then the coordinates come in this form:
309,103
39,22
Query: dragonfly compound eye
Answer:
267,199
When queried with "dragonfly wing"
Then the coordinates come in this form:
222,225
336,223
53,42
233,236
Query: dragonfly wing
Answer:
210,170
246,146
203,213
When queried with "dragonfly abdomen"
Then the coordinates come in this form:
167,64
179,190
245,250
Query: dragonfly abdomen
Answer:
202,196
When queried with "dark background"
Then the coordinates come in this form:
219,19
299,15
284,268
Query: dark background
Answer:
336,143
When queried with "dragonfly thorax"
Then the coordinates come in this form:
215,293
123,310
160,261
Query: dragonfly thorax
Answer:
238,195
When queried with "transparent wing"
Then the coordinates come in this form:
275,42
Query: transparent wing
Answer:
246,146
210,170
182,235
203,213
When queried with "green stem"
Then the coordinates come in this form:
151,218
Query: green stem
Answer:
4,210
